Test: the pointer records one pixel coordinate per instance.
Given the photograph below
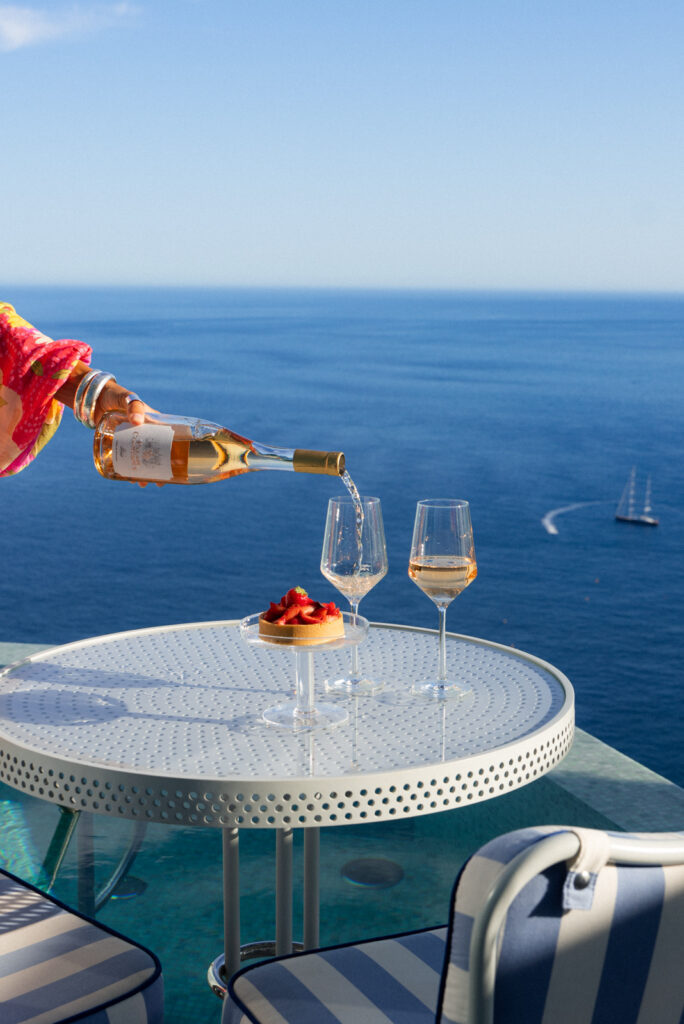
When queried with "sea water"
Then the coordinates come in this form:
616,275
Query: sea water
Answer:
532,407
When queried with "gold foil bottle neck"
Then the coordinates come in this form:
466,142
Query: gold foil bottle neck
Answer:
331,463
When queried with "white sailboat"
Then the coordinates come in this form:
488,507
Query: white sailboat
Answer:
628,511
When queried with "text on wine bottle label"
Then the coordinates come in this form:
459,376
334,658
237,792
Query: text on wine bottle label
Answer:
143,452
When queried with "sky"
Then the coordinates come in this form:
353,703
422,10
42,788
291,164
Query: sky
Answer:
462,144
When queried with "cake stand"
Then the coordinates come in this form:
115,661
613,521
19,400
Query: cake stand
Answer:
301,714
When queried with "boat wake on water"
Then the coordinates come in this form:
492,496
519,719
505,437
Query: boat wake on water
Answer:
628,510
548,520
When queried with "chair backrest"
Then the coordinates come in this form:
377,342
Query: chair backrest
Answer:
554,925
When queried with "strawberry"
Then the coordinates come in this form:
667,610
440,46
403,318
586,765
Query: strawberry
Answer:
310,618
290,613
274,612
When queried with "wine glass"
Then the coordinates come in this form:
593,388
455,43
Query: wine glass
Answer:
354,559
442,563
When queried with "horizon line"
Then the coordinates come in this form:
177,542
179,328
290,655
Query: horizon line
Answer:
435,289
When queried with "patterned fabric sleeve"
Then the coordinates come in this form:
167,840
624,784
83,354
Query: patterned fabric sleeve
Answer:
33,368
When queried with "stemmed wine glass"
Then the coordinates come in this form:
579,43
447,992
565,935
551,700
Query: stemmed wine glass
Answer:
442,563
354,559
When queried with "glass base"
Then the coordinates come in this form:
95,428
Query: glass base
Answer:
354,687
441,690
289,716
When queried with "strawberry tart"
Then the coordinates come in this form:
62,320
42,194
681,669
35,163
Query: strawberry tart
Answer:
297,619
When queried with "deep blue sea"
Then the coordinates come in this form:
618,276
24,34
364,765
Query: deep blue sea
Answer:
522,404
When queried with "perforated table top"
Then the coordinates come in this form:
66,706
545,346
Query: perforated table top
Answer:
164,725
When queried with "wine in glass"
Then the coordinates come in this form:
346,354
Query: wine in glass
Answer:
354,559
442,563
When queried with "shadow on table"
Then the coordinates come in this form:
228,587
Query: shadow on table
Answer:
74,707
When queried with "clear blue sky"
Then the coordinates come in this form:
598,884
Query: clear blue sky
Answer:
419,143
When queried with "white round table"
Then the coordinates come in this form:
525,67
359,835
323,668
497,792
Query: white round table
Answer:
164,725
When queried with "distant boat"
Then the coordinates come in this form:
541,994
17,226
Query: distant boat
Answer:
628,511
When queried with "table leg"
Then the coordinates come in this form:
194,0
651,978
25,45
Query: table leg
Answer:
86,866
231,901
311,905
283,891
59,844
222,968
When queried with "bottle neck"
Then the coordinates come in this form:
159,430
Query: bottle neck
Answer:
298,460
265,456
330,463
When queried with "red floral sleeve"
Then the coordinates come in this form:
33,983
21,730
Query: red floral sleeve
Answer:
33,368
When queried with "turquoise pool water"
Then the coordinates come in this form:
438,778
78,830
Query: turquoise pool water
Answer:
178,913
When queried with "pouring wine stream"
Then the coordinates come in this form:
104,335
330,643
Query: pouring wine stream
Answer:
358,505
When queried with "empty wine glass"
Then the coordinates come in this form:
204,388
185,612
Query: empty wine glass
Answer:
354,559
442,563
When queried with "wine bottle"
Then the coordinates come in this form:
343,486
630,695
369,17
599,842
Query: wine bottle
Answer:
183,450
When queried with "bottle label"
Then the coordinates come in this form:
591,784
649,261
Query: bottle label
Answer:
143,453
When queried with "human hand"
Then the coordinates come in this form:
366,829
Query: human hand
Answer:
107,397
115,398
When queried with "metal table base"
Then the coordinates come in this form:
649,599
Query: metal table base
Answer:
227,963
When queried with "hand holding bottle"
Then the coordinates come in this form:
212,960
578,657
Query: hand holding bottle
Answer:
92,394
118,399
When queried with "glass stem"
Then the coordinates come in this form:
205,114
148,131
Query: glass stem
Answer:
304,680
441,674
355,673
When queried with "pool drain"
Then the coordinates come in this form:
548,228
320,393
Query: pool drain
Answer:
373,872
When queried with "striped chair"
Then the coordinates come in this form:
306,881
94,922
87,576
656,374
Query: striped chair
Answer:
548,925
57,966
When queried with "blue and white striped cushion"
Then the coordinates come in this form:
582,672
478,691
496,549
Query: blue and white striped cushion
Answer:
619,961
393,978
57,966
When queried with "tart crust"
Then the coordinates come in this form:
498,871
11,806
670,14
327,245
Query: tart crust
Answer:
301,635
